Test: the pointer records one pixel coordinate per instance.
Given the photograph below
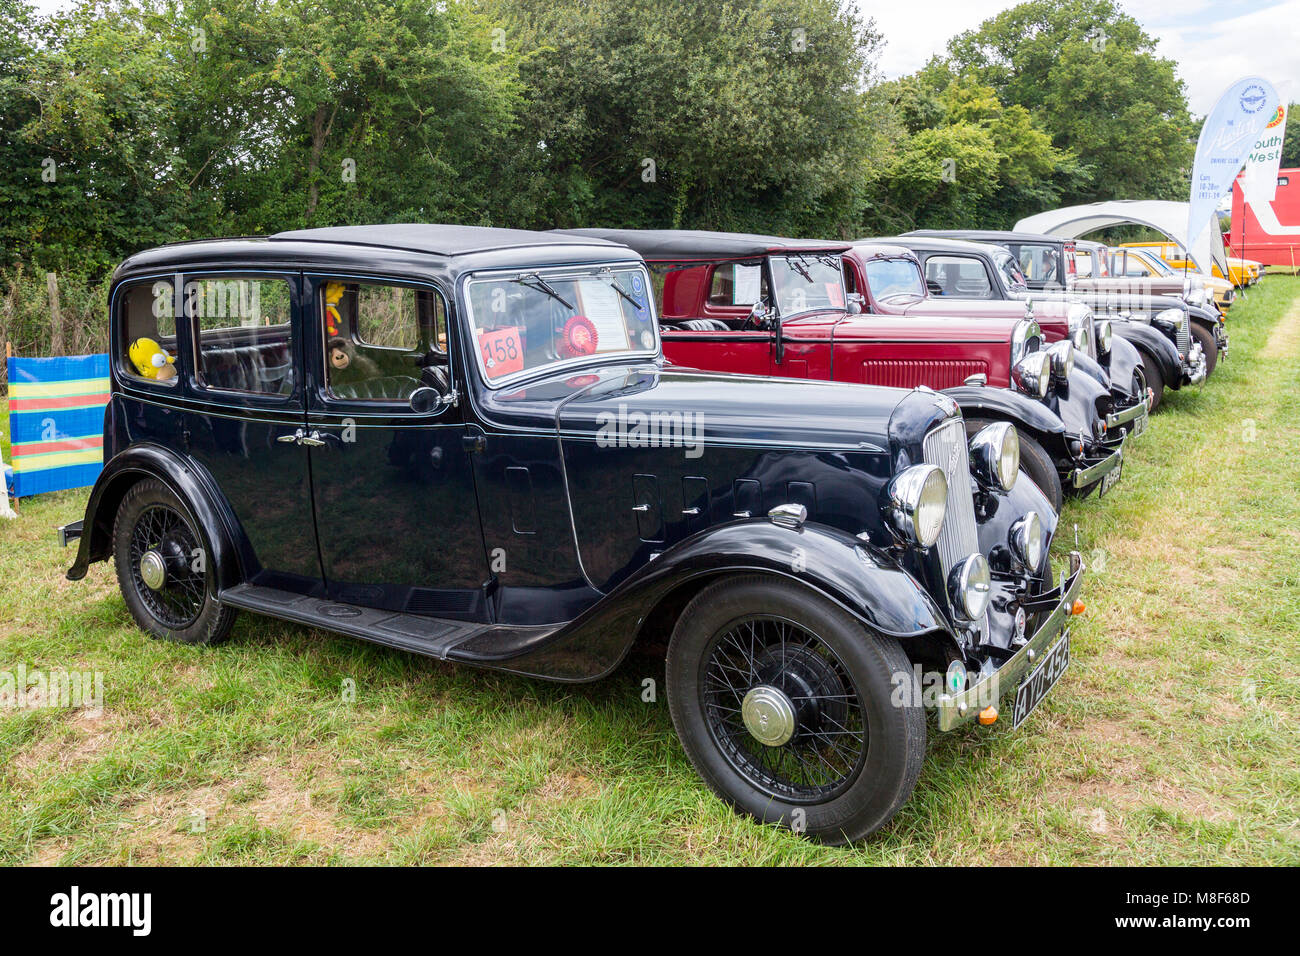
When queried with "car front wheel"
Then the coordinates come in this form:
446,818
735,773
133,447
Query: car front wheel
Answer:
163,568
792,711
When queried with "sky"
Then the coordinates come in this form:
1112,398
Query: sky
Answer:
1213,42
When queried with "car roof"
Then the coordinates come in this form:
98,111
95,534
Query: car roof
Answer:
411,248
938,243
436,240
989,235
875,249
677,244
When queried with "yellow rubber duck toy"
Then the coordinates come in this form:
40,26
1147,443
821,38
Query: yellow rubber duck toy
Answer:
151,360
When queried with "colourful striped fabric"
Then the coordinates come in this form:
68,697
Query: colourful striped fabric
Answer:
56,421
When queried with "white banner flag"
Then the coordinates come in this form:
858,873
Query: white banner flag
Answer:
1259,181
1232,127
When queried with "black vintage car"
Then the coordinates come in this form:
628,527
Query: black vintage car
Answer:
465,443
1168,332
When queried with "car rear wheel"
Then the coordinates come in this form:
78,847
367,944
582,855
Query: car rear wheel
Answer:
1034,462
1209,345
1155,381
163,568
792,711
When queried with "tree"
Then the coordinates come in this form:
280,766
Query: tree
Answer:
1291,138
1088,73
740,115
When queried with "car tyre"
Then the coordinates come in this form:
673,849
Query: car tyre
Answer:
163,571
1155,380
854,696
1034,462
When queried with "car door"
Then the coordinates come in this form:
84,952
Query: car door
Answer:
703,309
244,405
396,513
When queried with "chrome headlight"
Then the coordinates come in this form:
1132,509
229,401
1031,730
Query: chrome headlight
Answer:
1080,338
995,455
1027,540
1033,374
1025,332
918,501
970,586
1104,332
1173,316
1062,354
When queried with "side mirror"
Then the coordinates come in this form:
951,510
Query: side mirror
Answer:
426,399
856,303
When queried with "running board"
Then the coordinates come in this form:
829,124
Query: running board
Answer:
430,636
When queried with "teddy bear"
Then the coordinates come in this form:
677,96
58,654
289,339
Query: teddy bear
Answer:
151,360
340,352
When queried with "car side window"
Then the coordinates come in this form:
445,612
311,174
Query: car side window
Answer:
146,341
961,276
736,283
242,333
382,341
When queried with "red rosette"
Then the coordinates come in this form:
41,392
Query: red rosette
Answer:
579,337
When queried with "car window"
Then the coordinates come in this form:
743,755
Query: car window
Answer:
1039,263
382,341
805,283
894,277
522,322
961,276
242,333
146,342
1009,269
736,283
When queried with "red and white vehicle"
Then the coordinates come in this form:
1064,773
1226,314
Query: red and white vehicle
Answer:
1270,232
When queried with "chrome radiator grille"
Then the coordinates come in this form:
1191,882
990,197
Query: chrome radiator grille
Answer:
945,446
1184,336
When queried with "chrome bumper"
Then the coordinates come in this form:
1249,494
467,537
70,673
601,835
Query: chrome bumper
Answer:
1194,370
1082,477
954,710
1136,411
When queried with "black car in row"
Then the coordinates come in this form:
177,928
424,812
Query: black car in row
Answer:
465,443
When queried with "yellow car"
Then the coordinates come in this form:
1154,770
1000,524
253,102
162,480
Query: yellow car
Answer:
1146,264
1242,272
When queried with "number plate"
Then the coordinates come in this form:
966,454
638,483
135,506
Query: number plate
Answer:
1108,480
1041,680
1140,424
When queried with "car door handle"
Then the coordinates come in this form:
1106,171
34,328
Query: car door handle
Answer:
314,440
641,508
296,437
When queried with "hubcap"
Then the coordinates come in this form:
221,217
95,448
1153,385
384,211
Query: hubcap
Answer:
768,715
153,570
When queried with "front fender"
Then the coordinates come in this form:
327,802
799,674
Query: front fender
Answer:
1082,403
859,578
191,486
1029,415
1156,345
1122,362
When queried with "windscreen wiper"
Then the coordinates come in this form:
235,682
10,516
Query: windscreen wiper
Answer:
535,281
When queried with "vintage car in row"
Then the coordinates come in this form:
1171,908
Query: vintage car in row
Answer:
1048,266
465,443
812,308
1093,273
1241,272
1146,265
962,269
1097,353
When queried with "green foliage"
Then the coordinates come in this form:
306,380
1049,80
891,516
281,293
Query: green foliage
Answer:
129,123
1088,73
1291,139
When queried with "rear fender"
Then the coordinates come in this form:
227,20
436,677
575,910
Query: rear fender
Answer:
193,487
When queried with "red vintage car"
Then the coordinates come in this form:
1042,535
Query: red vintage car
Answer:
765,305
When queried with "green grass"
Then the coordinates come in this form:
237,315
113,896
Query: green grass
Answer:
1172,738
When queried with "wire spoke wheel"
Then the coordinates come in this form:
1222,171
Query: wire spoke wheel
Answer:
783,710
162,553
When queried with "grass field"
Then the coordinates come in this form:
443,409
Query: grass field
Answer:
1173,738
